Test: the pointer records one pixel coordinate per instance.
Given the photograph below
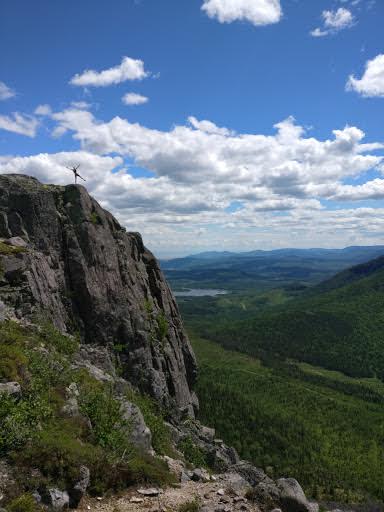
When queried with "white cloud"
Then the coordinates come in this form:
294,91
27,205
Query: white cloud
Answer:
132,98
317,32
338,20
371,84
129,69
6,92
81,105
19,123
257,12
43,110
189,155
208,126
281,182
334,21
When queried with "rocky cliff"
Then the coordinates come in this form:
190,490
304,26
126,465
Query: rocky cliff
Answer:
73,263
75,420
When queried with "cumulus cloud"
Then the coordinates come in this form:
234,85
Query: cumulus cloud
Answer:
128,69
371,84
19,123
208,126
81,105
334,21
43,110
189,154
6,92
132,98
257,12
280,182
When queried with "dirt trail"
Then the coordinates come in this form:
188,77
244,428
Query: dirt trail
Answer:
226,494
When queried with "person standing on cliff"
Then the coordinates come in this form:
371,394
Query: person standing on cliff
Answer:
77,175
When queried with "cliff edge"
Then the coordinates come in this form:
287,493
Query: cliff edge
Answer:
80,269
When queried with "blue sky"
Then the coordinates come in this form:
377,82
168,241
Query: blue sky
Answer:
198,162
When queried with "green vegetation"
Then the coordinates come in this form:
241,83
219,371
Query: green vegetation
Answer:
24,503
327,432
192,453
339,329
95,219
158,323
190,506
154,419
8,250
35,433
308,403
162,327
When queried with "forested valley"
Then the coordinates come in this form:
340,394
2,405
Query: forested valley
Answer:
292,377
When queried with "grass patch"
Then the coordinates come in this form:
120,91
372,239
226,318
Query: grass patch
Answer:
95,219
190,506
9,250
23,503
192,453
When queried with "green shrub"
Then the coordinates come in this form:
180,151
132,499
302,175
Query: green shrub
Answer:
65,345
58,453
192,453
7,250
12,333
24,503
109,430
19,419
12,363
154,419
95,219
148,469
162,327
190,506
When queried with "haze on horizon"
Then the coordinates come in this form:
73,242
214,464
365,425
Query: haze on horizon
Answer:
204,124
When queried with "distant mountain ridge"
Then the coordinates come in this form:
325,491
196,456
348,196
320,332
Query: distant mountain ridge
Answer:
311,252
264,269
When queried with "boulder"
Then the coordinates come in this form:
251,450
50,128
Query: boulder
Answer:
80,487
137,430
149,492
10,388
71,406
177,467
292,496
266,495
184,477
200,475
94,371
250,473
16,241
56,500
207,434
236,482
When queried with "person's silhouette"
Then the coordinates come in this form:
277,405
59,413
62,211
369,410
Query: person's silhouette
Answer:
76,174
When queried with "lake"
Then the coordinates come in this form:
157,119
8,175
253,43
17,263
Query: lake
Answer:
197,292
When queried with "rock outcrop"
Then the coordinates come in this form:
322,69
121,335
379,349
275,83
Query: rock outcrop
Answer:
68,259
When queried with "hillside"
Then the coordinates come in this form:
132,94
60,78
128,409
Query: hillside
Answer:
320,426
338,325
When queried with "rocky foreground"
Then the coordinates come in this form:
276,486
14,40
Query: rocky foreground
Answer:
227,492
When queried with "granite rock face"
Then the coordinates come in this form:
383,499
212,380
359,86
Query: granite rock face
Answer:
72,262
